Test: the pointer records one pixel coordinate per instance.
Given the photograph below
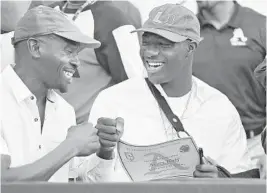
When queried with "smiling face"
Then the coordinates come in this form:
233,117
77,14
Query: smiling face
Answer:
164,60
57,63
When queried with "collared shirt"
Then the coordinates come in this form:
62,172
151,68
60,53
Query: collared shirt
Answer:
226,60
206,114
103,67
7,50
21,136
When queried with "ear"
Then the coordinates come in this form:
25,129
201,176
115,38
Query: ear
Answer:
191,46
34,47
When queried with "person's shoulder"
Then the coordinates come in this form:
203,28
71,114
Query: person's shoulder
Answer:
7,77
110,14
249,16
108,8
212,100
205,91
115,6
7,50
124,89
251,12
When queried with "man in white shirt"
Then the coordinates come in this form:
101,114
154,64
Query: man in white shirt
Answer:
99,67
38,132
170,37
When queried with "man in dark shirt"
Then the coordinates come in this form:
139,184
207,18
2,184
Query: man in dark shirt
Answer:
234,43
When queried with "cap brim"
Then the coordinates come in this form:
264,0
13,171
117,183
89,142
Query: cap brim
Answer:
164,33
81,38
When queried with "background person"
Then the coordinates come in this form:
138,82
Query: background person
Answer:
233,45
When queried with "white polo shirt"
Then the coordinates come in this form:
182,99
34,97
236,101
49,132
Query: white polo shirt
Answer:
21,136
7,50
209,117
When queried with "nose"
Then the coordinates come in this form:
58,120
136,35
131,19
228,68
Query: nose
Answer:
151,51
75,62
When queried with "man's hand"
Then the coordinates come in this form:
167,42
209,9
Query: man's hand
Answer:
109,132
206,170
84,138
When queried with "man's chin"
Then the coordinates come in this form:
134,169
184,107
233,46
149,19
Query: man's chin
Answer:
63,90
155,80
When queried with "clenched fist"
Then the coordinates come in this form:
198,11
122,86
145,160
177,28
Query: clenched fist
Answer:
109,132
84,138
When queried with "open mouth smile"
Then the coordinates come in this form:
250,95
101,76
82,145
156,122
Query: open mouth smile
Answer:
153,67
68,74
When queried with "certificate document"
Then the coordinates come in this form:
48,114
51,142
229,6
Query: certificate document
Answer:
172,159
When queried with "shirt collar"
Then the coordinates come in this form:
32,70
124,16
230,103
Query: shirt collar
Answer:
51,96
19,89
233,22
236,17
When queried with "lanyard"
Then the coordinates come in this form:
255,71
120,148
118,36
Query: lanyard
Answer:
173,119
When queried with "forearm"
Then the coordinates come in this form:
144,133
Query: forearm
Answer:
106,154
42,169
96,169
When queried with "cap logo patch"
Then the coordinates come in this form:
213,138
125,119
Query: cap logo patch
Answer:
168,19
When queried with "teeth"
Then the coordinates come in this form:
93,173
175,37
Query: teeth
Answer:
155,65
68,74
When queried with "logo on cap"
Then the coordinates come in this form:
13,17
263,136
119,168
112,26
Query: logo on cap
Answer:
164,19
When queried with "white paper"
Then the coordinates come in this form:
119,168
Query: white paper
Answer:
177,158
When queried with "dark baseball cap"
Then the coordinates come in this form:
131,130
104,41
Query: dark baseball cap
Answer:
44,20
173,22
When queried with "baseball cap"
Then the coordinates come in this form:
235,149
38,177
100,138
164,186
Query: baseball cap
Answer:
173,22
44,20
